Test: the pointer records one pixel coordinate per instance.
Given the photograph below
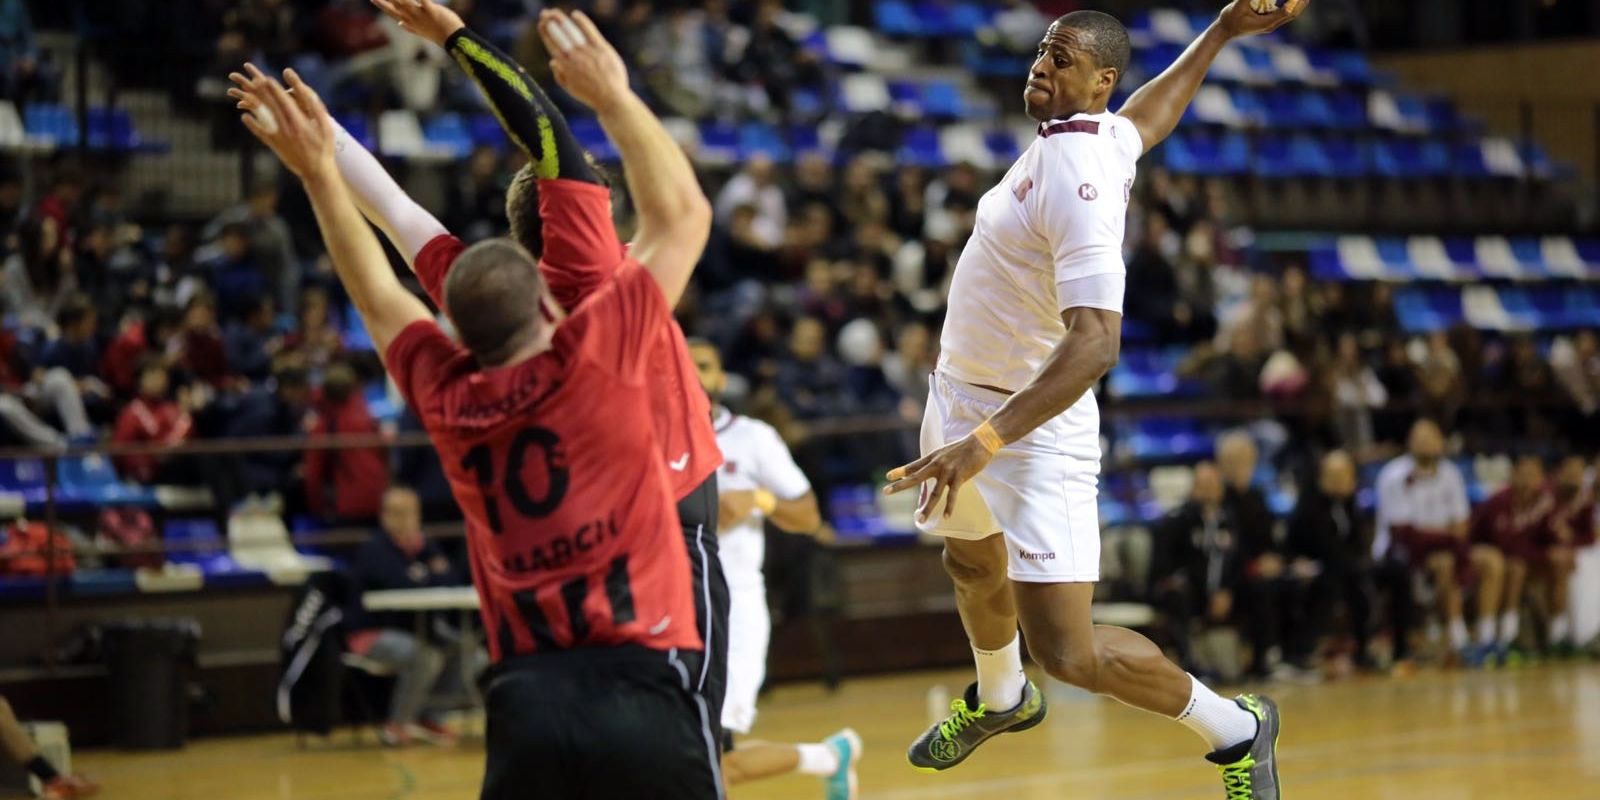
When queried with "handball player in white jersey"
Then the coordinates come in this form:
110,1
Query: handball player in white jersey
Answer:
1010,440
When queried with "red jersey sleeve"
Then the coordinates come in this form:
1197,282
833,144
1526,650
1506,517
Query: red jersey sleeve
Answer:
581,248
618,327
420,358
433,262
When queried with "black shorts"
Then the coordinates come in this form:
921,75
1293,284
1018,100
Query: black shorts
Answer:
596,724
697,511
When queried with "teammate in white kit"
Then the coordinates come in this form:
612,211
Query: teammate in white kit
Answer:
758,480
1010,439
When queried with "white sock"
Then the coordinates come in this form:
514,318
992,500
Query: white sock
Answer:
1509,623
1561,629
1218,720
1486,630
817,759
1000,676
1458,634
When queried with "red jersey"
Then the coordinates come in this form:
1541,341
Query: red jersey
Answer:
1518,529
581,252
571,526
1577,516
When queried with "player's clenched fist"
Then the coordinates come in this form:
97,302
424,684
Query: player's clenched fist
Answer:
582,61
424,18
295,125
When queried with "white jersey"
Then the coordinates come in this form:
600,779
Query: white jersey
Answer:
1433,502
1047,238
753,457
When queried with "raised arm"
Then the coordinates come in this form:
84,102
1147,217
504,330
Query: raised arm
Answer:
407,225
1158,105
299,130
534,123
674,214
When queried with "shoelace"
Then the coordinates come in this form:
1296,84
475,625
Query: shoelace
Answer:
960,718
1236,779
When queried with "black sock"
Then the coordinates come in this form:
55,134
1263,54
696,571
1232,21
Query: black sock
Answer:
1232,754
42,770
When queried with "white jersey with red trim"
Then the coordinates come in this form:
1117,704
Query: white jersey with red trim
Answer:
1047,238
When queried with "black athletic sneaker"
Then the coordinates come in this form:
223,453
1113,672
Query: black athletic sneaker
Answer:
970,724
1253,774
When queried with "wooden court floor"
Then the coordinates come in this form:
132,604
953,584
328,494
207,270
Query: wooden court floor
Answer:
1524,735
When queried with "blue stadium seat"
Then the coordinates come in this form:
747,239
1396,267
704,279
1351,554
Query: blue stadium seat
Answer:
1208,153
1002,145
934,16
804,139
906,97
1347,158
920,147
896,18
1349,110
197,542
91,481
360,129
102,582
1468,161
111,129
486,132
719,141
52,123
1281,108
942,100
448,133
383,409
588,132
967,18
24,478
760,138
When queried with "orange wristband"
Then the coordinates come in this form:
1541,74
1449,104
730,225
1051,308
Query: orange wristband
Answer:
986,436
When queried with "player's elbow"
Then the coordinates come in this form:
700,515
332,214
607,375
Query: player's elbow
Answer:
804,518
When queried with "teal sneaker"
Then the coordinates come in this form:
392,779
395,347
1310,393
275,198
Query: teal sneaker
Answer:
1253,774
970,724
841,785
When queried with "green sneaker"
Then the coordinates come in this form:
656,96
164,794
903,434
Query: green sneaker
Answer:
841,785
970,724
1255,775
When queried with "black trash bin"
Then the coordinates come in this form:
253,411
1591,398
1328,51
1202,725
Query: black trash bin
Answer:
152,663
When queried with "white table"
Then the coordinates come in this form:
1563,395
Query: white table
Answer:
437,598
434,598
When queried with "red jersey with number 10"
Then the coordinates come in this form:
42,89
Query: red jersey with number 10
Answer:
572,528
581,252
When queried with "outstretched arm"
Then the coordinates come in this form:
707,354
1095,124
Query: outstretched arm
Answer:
301,133
1158,105
408,226
526,113
674,214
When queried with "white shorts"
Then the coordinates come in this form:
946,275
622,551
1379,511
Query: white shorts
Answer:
1041,497
749,632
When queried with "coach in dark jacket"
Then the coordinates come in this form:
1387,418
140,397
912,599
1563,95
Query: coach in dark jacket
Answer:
1328,530
1197,566
399,557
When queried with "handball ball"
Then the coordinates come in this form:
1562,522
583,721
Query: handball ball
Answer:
1263,6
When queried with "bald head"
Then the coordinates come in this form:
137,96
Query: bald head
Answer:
1236,456
1338,475
492,296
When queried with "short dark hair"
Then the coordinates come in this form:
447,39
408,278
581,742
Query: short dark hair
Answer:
522,204
1108,37
492,297
73,311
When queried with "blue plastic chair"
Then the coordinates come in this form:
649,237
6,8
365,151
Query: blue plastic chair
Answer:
449,132
920,147
942,100
895,18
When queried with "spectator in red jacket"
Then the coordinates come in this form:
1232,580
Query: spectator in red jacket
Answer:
152,417
203,354
1516,521
137,338
348,483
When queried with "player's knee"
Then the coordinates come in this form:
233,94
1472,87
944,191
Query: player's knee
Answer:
1489,561
967,567
1078,667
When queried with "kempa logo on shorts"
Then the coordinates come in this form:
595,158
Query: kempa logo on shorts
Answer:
1027,556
